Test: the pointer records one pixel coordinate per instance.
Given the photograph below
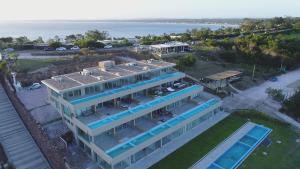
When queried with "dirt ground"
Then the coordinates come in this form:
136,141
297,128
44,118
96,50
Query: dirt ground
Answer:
205,67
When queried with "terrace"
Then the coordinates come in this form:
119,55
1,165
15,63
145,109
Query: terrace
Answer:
149,122
159,129
139,86
146,104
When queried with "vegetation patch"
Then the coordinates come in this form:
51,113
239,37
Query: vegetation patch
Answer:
284,149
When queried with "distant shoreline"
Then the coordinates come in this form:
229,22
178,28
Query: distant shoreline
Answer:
234,21
126,28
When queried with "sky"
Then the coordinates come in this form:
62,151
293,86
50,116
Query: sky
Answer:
142,9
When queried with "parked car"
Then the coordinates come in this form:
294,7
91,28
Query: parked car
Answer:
61,49
9,50
108,47
48,49
75,48
35,86
274,79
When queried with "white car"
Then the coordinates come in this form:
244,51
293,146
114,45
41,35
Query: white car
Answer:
75,48
108,47
61,49
35,86
9,50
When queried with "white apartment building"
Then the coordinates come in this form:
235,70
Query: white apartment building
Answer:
132,115
169,49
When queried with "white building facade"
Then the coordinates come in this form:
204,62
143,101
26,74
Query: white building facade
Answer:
169,49
124,114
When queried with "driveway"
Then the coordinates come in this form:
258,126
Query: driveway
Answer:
257,98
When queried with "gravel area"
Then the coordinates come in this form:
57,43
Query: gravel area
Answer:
45,114
55,129
33,98
36,103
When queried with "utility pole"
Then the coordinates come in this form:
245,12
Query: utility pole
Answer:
253,72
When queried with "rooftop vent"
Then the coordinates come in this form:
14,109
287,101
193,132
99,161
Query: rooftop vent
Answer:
131,64
58,79
99,77
145,68
86,72
104,65
150,60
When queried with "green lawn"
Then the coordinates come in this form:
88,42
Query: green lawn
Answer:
27,65
295,35
285,155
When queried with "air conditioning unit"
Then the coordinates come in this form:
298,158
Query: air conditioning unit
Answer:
86,73
58,78
131,64
145,68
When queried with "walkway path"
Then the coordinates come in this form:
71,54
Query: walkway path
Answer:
257,98
16,140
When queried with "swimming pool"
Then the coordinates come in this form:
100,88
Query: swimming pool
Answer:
139,139
127,88
140,108
238,152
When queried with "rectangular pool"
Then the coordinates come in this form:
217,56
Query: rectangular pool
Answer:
139,139
156,102
240,150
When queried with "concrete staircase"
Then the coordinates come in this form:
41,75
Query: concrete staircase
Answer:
18,144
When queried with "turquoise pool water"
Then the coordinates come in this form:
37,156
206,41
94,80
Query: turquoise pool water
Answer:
128,87
146,106
139,139
233,157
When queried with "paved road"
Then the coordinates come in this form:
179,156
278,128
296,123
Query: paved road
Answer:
28,54
16,140
257,98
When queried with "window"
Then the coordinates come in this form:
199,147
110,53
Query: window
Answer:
53,93
77,93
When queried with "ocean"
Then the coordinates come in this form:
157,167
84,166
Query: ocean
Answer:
49,29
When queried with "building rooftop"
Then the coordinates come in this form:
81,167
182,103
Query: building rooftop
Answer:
106,71
170,44
223,75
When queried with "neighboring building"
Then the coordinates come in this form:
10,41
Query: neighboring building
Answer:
220,80
141,48
134,114
169,49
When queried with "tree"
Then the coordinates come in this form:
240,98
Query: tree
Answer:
3,66
297,25
87,43
22,40
70,38
96,35
13,56
7,39
292,105
55,44
39,40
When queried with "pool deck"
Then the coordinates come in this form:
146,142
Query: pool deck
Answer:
218,151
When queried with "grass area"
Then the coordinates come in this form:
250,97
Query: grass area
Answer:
27,65
295,35
285,155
